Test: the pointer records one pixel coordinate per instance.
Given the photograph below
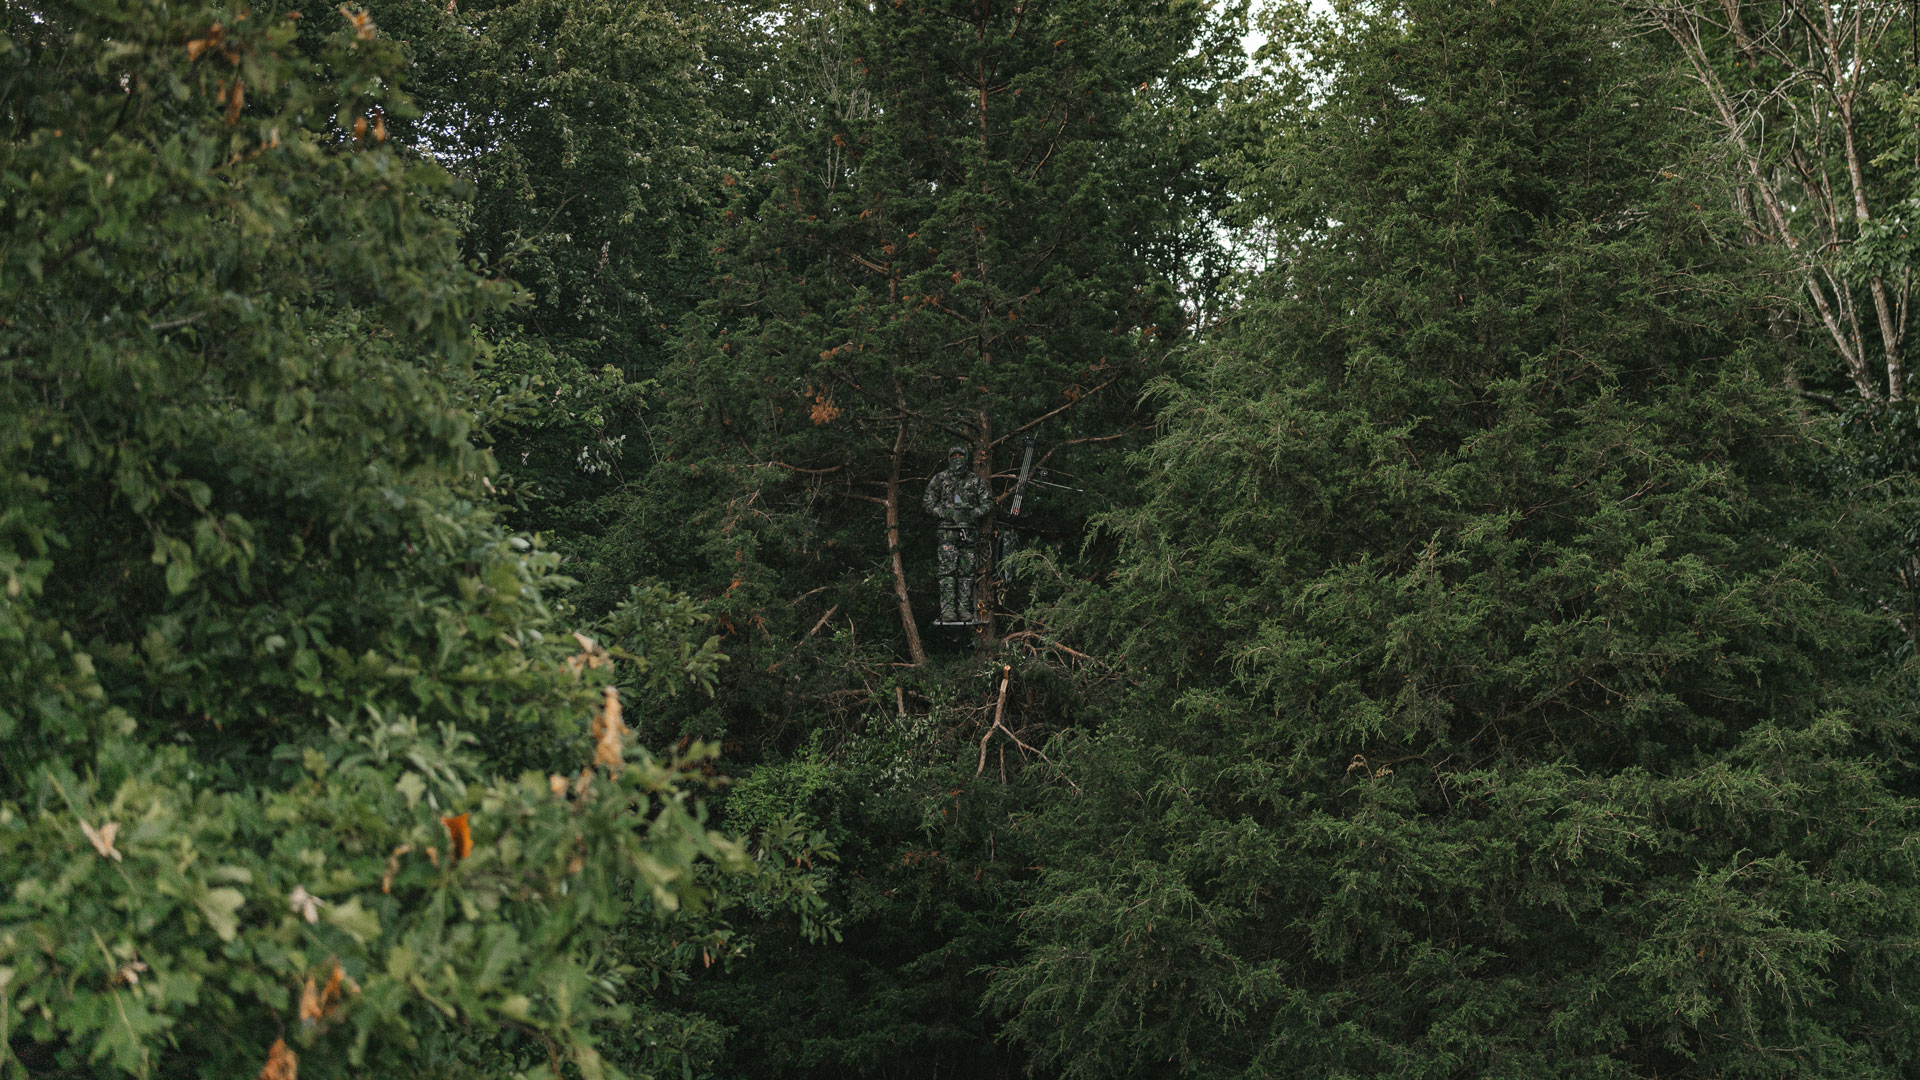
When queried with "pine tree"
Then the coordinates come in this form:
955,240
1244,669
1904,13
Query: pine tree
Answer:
958,238
1500,706
972,221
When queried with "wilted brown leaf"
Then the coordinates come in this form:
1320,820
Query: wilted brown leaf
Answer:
608,732
330,997
317,1004
102,839
361,21
590,656
823,410
393,867
461,836
282,1063
215,40
304,904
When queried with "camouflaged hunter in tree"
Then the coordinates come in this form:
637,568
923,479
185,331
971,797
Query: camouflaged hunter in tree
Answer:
959,498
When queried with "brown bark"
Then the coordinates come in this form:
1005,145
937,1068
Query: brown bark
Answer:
986,576
915,651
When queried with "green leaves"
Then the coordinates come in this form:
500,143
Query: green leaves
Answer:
111,949
220,907
264,655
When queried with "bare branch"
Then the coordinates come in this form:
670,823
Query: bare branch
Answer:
1786,98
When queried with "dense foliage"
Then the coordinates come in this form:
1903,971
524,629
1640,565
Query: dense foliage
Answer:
1461,620
1497,709
259,618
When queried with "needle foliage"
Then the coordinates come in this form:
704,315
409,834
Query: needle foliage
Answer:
1500,704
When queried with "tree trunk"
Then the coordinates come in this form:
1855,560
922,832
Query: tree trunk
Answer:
915,651
986,574
1789,48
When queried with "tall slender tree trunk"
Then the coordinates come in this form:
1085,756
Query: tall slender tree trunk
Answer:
987,573
915,651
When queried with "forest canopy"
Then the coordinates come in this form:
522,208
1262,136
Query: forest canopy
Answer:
1429,587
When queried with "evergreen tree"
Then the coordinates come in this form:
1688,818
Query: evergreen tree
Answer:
972,223
924,897
965,232
1497,705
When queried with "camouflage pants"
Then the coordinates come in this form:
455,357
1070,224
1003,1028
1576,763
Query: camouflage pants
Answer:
956,575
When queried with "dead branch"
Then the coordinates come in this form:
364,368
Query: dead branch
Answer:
999,707
1056,412
823,620
999,711
1036,635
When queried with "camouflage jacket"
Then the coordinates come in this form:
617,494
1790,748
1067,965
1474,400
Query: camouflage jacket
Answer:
957,500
